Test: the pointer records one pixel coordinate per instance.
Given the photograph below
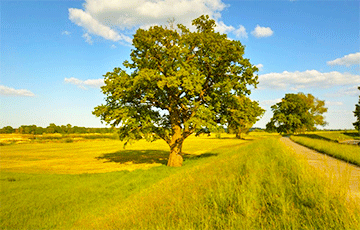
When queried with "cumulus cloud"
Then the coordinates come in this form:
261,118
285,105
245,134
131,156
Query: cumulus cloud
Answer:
260,66
7,91
222,28
113,19
348,91
270,102
241,32
307,79
261,32
347,60
94,83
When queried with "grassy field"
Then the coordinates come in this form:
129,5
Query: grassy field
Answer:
335,136
224,184
9,139
349,153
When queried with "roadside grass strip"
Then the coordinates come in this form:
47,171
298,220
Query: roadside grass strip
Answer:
348,153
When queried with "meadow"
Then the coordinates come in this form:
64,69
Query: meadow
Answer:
335,136
226,183
328,143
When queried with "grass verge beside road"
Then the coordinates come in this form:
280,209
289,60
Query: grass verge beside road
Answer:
349,153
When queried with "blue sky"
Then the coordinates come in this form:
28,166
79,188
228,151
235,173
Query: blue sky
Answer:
54,53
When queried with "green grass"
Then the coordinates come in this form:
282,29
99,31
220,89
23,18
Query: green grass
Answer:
89,156
253,185
349,153
336,136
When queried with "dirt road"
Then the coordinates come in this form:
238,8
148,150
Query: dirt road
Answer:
346,174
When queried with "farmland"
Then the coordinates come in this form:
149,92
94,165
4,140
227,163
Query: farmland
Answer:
225,183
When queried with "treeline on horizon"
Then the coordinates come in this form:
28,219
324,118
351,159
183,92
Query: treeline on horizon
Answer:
52,128
69,129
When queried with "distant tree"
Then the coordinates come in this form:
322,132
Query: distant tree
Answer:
297,113
7,129
243,114
52,128
179,85
39,130
357,115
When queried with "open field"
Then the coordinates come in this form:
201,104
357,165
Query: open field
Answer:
89,156
224,183
8,139
349,153
336,136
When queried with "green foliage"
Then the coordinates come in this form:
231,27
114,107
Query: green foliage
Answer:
243,114
53,128
7,129
357,115
297,113
349,153
180,83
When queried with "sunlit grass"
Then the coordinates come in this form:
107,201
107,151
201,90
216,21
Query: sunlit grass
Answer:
89,156
224,184
257,186
336,136
349,153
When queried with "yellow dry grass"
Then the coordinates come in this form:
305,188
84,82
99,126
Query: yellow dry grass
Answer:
99,156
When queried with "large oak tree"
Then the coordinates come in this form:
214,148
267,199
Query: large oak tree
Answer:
177,83
297,113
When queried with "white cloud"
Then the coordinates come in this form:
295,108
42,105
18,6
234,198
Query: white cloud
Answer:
348,91
113,46
65,32
88,38
333,103
347,60
94,83
7,91
241,32
222,28
113,19
260,66
261,32
307,79
93,26
270,102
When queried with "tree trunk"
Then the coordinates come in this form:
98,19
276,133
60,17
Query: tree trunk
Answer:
175,159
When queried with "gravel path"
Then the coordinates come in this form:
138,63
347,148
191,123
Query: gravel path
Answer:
346,174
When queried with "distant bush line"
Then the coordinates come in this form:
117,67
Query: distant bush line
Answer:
52,128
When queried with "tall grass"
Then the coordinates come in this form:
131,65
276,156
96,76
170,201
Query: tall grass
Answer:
242,186
349,153
258,186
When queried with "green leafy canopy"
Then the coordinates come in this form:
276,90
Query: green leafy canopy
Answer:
297,113
179,84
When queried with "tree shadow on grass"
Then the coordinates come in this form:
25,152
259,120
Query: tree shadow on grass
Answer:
315,136
146,156
353,135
